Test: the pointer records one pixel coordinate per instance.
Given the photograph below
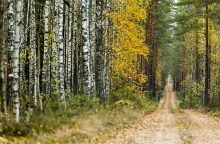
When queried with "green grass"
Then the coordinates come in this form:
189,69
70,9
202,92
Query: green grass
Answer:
215,111
85,120
187,142
176,110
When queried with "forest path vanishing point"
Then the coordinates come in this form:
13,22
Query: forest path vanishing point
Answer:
170,125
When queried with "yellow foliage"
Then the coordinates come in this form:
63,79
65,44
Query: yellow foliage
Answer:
127,22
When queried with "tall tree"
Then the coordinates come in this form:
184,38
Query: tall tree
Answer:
86,47
100,52
33,92
207,57
61,52
15,84
151,42
46,50
92,37
2,63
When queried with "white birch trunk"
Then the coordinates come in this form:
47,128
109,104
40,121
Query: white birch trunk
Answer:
70,52
46,58
86,48
92,37
10,46
22,53
61,50
106,78
15,87
67,30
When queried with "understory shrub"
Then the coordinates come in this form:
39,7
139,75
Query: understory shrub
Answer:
191,95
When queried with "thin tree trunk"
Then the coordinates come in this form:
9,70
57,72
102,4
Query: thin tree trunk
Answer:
46,59
61,52
69,45
22,53
86,48
92,38
107,43
75,59
100,52
54,51
2,64
207,60
197,59
15,90
32,67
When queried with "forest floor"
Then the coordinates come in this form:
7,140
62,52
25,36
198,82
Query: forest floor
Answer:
166,125
170,125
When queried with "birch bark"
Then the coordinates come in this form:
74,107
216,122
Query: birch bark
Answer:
69,43
10,46
46,59
15,87
86,48
92,38
61,50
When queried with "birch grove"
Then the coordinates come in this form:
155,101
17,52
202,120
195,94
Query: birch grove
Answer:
53,50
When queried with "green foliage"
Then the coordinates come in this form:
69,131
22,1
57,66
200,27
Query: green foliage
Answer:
80,107
168,48
215,111
124,103
176,110
54,116
191,98
83,102
131,98
15,129
214,93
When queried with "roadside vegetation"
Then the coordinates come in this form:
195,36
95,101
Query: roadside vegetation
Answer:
85,120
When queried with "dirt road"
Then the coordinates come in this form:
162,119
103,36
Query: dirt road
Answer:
168,125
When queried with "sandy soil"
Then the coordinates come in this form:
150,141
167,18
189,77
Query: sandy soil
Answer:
206,130
168,125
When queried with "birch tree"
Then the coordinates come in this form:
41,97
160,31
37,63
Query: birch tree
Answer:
23,43
86,48
68,43
15,90
92,39
46,56
10,46
61,50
